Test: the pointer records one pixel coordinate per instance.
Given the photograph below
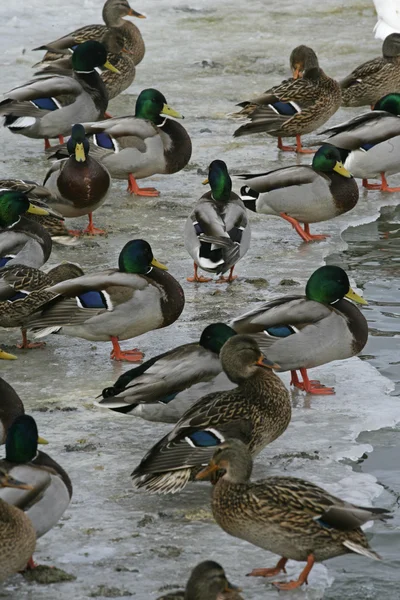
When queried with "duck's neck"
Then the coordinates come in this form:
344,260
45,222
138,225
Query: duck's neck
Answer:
93,84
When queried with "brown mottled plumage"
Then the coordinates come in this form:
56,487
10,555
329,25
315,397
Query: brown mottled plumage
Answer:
285,515
375,78
257,412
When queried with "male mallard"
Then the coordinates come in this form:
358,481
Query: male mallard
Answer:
207,581
294,107
370,143
302,332
22,242
162,378
113,305
309,194
17,534
288,516
78,184
142,145
48,106
374,78
52,489
38,195
257,411
217,232
11,407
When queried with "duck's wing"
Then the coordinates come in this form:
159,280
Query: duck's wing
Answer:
118,127
45,86
297,175
367,69
370,128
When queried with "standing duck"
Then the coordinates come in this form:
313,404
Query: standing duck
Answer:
207,581
51,489
374,78
113,305
17,534
257,412
162,378
78,184
11,407
217,232
302,332
48,106
370,143
288,516
294,107
303,194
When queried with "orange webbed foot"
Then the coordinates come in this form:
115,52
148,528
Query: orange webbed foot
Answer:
198,279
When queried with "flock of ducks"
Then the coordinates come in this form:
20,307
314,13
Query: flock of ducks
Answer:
221,433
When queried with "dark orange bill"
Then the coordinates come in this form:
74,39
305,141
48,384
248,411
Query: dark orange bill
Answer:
133,13
268,364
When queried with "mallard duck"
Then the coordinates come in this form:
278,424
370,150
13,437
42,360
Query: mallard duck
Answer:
39,196
78,184
11,407
30,292
113,305
217,232
207,581
162,378
288,516
48,106
22,242
302,332
52,489
113,13
388,18
374,78
370,143
17,534
257,411
142,145
303,194
294,107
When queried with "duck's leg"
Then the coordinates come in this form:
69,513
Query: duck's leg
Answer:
228,279
133,188
198,278
107,115
26,344
125,355
6,356
280,567
315,236
47,144
312,386
385,187
61,139
297,148
91,229
371,186
303,233
303,577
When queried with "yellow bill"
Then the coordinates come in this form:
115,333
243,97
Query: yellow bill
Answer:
6,356
205,181
170,112
42,441
351,295
80,152
339,168
110,67
35,210
159,265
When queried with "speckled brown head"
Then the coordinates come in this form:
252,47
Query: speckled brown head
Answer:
241,358
232,457
302,59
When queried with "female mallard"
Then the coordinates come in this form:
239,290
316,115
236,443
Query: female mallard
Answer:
302,332
303,194
52,489
294,107
370,143
78,184
38,195
140,146
48,106
11,407
162,378
22,242
217,232
257,411
113,305
288,516
207,581
17,534
374,78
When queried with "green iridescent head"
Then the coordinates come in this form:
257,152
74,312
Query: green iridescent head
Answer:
329,284
327,159
22,440
215,335
137,257
390,103
150,104
88,56
12,206
219,180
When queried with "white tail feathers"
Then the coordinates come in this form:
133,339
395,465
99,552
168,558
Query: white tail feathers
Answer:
361,550
22,123
46,331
